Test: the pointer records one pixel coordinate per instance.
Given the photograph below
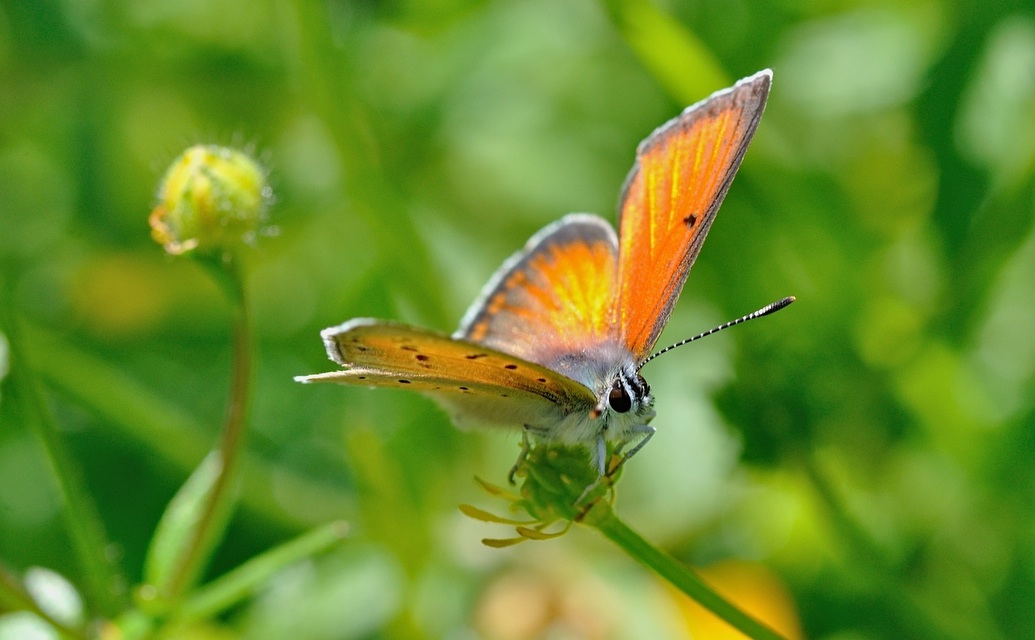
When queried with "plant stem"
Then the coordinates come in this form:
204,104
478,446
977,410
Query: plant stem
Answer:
165,430
210,524
604,519
105,584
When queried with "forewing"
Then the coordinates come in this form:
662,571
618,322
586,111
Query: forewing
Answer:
473,379
681,175
552,297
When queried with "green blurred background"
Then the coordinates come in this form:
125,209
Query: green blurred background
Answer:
863,461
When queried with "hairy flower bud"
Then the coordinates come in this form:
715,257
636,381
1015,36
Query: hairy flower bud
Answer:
211,199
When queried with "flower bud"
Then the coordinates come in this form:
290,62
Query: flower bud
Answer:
560,483
560,486
211,199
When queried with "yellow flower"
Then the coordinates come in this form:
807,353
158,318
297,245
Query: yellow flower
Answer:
750,586
211,199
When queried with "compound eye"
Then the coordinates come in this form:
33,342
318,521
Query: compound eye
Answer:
619,399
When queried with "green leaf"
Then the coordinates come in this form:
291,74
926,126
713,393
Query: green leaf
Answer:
239,583
86,530
187,532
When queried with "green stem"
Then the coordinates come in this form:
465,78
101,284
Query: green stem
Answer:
603,518
165,430
105,584
240,583
14,597
217,504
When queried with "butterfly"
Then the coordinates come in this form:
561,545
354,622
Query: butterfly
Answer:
556,340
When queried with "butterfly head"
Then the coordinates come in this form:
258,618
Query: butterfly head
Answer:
627,396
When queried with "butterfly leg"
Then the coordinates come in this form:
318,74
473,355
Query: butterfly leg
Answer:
526,447
599,455
644,430
598,458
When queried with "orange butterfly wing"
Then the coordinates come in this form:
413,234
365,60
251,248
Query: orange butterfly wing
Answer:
475,381
669,201
552,298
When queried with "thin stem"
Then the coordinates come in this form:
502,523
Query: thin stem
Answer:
163,429
227,272
237,411
604,519
104,581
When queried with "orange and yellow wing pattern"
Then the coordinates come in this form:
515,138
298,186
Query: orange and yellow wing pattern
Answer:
490,387
553,297
681,175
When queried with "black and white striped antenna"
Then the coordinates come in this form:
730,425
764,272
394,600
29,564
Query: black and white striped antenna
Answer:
772,307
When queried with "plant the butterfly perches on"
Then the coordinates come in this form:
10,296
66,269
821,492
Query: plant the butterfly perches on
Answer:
555,343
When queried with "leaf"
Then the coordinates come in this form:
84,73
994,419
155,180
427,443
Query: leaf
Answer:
187,532
240,583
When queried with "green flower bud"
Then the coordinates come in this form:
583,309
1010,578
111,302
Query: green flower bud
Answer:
560,486
211,199
560,483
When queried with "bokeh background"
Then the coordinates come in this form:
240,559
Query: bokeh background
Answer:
861,464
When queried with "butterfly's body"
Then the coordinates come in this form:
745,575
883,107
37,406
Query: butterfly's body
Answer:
554,343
